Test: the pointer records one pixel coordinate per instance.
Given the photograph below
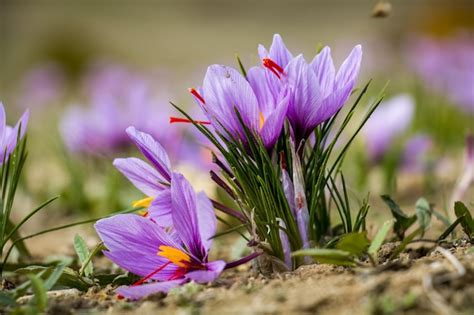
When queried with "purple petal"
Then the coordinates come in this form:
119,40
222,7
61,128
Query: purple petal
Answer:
285,243
305,96
289,191
225,89
133,243
12,138
323,67
388,121
350,67
161,208
273,124
302,213
3,125
184,213
279,53
213,271
265,87
330,105
142,175
207,220
152,150
141,291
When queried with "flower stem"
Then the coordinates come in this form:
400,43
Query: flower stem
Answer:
242,261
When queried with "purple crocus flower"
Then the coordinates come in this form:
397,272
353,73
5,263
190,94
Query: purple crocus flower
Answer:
414,152
388,121
446,66
317,92
165,260
224,90
9,135
42,85
117,98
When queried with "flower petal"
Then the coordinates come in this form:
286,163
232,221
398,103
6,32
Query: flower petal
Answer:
349,69
3,125
266,88
142,175
161,208
305,96
141,291
133,242
224,89
152,150
213,271
273,124
207,220
278,51
323,67
184,213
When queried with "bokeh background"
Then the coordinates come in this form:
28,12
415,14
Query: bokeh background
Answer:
85,69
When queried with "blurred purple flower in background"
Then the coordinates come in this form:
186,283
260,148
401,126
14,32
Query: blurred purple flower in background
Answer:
117,98
415,151
389,120
446,66
9,135
42,86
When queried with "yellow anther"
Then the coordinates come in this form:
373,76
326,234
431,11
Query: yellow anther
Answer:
176,256
262,120
145,202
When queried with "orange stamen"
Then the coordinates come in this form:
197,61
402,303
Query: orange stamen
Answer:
176,256
194,92
262,120
185,120
273,67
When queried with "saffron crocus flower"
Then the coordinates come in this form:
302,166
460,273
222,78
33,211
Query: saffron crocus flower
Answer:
116,98
42,86
164,260
388,121
446,66
9,135
225,90
414,152
317,91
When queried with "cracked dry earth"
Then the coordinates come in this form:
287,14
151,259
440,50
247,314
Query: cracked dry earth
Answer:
421,281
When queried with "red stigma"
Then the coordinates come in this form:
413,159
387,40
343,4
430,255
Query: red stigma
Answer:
273,67
194,92
141,281
185,120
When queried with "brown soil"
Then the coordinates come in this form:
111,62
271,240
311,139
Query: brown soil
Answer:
421,281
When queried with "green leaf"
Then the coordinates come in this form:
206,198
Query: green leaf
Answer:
450,228
69,278
355,243
327,256
380,237
402,221
467,222
6,299
39,291
54,277
405,243
83,253
423,213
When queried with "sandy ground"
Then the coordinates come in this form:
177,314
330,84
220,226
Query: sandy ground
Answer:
422,281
